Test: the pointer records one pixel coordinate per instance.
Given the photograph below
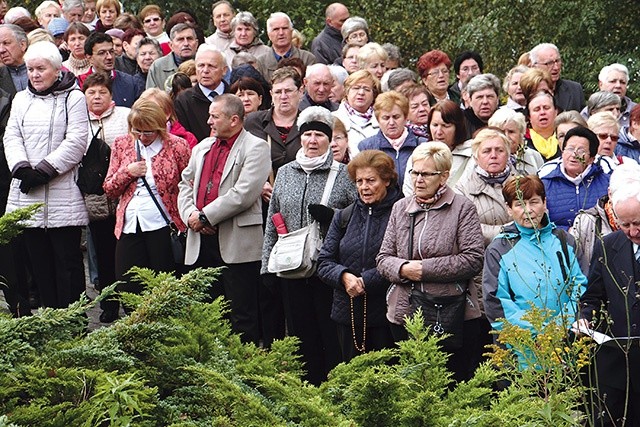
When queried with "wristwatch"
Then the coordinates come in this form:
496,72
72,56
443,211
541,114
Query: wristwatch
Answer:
203,218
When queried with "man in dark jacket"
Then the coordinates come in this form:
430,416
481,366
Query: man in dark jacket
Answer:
192,105
327,46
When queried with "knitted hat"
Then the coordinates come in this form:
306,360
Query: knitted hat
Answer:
57,26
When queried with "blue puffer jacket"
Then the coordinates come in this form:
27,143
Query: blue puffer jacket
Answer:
380,142
627,147
354,250
565,199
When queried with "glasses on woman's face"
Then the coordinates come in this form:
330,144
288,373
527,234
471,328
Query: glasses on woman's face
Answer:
146,133
423,174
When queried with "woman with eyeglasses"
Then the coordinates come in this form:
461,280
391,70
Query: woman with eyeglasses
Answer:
355,30
144,173
577,181
607,128
433,68
434,243
356,109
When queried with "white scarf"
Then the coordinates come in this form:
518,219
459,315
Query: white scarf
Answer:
309,164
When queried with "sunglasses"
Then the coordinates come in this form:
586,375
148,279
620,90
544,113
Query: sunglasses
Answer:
150,20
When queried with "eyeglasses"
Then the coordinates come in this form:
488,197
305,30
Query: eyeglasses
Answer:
579,152
423,174
150,20
143,132
551,63
282,92
467,70
365,89
604,136
441,71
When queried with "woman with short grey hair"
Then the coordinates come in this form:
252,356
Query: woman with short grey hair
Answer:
355,30
604,101
245,30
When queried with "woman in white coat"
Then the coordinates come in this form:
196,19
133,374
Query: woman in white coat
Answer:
45,140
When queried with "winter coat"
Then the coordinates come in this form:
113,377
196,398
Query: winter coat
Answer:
522,269
267,62
125,88
400,157
590,225
355,132
51,129
192,110
294,190
166,167
178,130
569,95
565,199
447,238
111,125
327,46
628,146
489,202
353,249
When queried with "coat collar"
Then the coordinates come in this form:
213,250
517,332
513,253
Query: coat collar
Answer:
445,200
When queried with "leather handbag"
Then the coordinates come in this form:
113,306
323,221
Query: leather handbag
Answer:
94,166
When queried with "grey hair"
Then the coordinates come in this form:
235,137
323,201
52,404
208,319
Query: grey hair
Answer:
400,76
19,34
482,82
353,24
338,72
601,99
507,79
369,50
604,73
316,68
504,116
15,13
67,5
315,114
393,51
231,105
245,18
149,41
436,150
44,5
44,50
243,58
178,28
625,183
276,15
603,119
535,52
209,48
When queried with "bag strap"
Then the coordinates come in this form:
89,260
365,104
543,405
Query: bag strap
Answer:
272,177
564,266
412,227
153,197
331,179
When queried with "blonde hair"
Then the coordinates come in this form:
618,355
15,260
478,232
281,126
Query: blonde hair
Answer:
436,150
146,114
487,134
603,119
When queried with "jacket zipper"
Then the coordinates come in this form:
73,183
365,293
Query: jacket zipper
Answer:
46,187
366,239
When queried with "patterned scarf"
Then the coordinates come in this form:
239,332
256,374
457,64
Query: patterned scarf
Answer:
419,130
427,203
353,112
608,210
493,178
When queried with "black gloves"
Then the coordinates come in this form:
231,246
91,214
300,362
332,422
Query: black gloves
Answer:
34,177
321,213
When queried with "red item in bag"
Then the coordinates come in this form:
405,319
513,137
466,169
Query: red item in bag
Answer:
278,221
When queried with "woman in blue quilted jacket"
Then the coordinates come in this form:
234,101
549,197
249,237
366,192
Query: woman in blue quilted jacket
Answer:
348,259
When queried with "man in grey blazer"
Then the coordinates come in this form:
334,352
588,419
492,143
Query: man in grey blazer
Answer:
220,202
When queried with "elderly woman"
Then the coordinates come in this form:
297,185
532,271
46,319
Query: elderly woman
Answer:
45,139
74,37
541,136
297,195
446,124
144,173
107,11
340,142
525,160
535,80
606,127
576,182
246,32
511,86
433,68
483,91
565,121
46,11
373,58
433,243
350,57
348,259
355,30
356,109
106,121
394,139
147,52
250,92
531,264
174,127
603,101
628,144
419,108
483,186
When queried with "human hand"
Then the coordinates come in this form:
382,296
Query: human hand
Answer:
138,169
353,285
267,191
412,270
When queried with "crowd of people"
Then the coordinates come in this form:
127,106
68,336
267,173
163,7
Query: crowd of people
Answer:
497,196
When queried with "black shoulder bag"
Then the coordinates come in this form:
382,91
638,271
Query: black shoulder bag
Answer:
443,314
178,239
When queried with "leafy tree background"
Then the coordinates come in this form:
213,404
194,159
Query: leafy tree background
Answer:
589,33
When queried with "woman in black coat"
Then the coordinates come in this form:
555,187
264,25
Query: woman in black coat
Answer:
348,258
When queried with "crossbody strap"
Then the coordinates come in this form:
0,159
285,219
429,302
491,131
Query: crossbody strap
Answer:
146,184
331,179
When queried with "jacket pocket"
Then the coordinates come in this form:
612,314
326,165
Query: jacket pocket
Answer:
249,219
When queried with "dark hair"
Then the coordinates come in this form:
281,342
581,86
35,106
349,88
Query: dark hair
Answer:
415,90
180,82
468,54
295,63
432,59
587,133
522,188
95,38
131,33
284,73
452,114
376,159
76,28
98,79
247,83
